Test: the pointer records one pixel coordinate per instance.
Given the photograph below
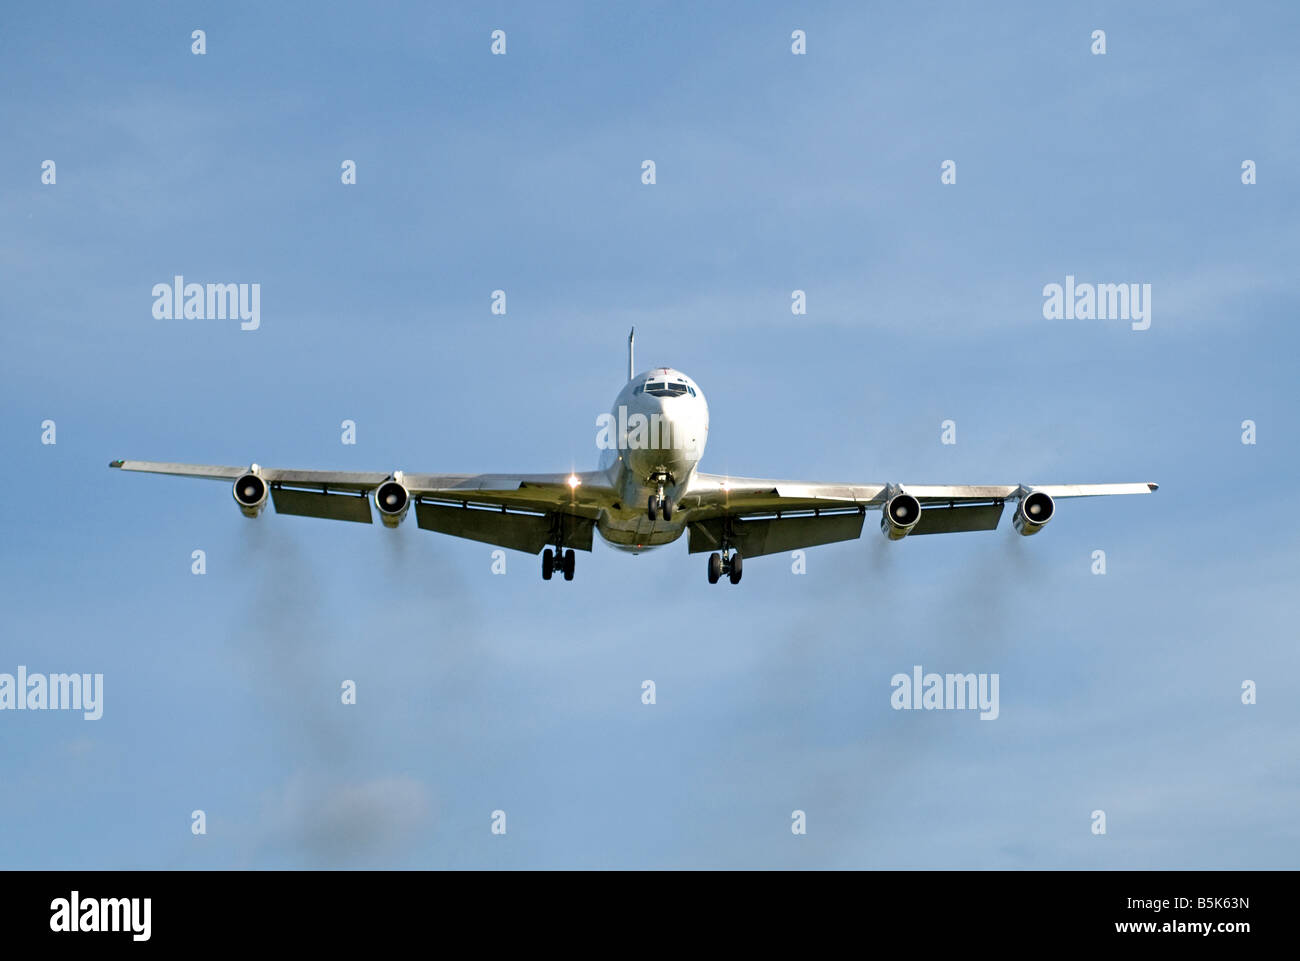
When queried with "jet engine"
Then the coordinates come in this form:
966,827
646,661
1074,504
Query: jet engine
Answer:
1033,512
899,515
250,493
393,501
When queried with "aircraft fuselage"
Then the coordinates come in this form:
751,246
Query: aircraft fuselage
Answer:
658,428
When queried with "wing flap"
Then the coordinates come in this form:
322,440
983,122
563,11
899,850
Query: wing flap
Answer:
338,507
520,532
542,493
951,520
775,535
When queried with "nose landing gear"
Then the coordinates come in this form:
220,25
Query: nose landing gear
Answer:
658,505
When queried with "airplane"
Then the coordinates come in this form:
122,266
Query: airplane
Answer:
646,492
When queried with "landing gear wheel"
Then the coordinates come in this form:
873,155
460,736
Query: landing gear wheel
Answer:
715,567
548,564
667,510
652,507
736,567
569,563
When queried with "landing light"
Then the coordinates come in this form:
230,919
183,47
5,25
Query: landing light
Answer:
573,481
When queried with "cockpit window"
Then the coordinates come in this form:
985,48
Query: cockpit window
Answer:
661,388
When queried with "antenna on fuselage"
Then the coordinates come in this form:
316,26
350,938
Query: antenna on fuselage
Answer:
631,367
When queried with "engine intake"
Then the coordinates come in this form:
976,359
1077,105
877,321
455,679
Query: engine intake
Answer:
393,501
900,514
250,493
1033,512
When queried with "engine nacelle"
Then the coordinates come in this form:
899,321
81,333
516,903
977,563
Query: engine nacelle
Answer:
899,515
1033,512
251,493
393,501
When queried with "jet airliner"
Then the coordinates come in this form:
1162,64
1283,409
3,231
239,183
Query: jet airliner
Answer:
646,492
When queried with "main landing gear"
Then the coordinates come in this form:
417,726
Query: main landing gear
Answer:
728,562
554,560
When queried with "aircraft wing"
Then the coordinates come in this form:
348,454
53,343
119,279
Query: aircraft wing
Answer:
520,511
759,516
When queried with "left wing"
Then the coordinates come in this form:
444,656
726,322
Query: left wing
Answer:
521,511
760,516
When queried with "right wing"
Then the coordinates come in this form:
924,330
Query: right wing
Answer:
761,516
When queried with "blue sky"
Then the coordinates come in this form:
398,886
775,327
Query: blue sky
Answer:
479,692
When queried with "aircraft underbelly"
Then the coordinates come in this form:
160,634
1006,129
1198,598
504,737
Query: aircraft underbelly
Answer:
636,532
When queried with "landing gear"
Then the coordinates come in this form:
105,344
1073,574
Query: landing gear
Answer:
659,506
728,562
563,561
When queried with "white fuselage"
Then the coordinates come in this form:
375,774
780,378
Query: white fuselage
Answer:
657,432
